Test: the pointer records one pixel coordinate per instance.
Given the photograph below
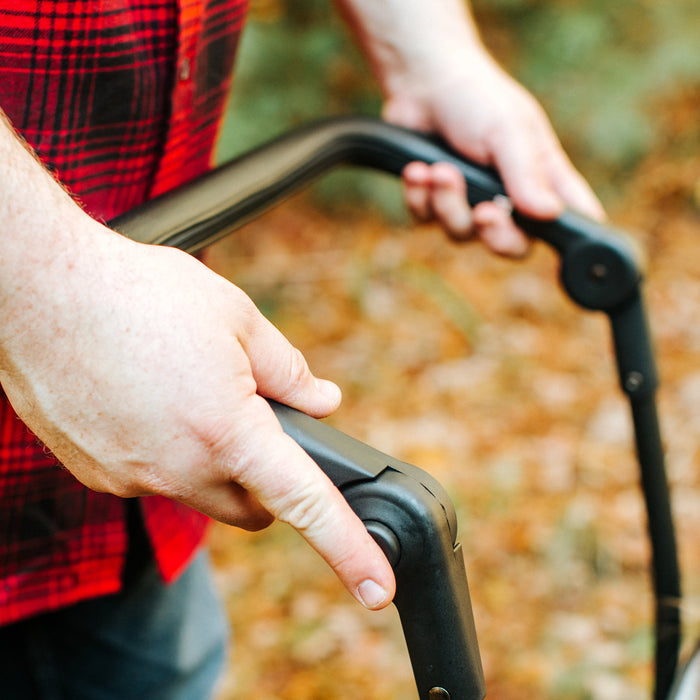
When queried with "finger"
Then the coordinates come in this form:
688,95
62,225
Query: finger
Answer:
284,479
552,183
281,371
498,231
573,188
449,201
417,184
231,504
527,182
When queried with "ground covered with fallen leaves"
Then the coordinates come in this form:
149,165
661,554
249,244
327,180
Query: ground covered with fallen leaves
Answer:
482,372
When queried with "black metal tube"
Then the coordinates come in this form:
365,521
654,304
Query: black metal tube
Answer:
639,380
665,570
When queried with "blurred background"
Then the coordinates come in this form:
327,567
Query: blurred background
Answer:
477,369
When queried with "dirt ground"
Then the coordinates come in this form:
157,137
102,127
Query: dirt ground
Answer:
482,372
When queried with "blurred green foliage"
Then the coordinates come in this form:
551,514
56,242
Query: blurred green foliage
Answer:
296,63
601,70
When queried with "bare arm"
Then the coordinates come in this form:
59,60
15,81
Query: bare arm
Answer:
143,371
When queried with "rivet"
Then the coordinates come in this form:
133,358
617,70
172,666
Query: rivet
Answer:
634,381
598,272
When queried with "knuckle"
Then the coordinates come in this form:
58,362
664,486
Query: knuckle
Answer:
298,370
115,484
232,443
306,510
103,477
245,311
126,490
420,206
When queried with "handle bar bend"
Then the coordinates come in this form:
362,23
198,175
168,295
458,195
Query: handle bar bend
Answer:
598,269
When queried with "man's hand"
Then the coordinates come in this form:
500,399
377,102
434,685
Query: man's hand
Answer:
491,119
144,372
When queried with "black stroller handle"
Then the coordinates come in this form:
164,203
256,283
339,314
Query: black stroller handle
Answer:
204,211
413,520
599,269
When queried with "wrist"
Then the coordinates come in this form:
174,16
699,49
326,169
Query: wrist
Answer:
431,62
414,99
411,43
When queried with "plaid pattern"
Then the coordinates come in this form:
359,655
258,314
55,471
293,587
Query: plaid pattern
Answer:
122,99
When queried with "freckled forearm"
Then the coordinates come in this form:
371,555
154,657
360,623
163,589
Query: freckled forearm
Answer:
42,234
409,40
33,208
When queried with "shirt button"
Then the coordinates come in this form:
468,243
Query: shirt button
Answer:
185,70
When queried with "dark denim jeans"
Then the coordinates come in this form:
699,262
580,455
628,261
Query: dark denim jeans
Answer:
150,642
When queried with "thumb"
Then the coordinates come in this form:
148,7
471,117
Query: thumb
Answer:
282,373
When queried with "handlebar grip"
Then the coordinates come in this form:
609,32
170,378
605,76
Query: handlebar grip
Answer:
209,208
412,519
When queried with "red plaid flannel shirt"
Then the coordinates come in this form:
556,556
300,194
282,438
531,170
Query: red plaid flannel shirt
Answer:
122,99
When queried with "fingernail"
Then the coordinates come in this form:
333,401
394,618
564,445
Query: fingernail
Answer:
371,594
330,390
